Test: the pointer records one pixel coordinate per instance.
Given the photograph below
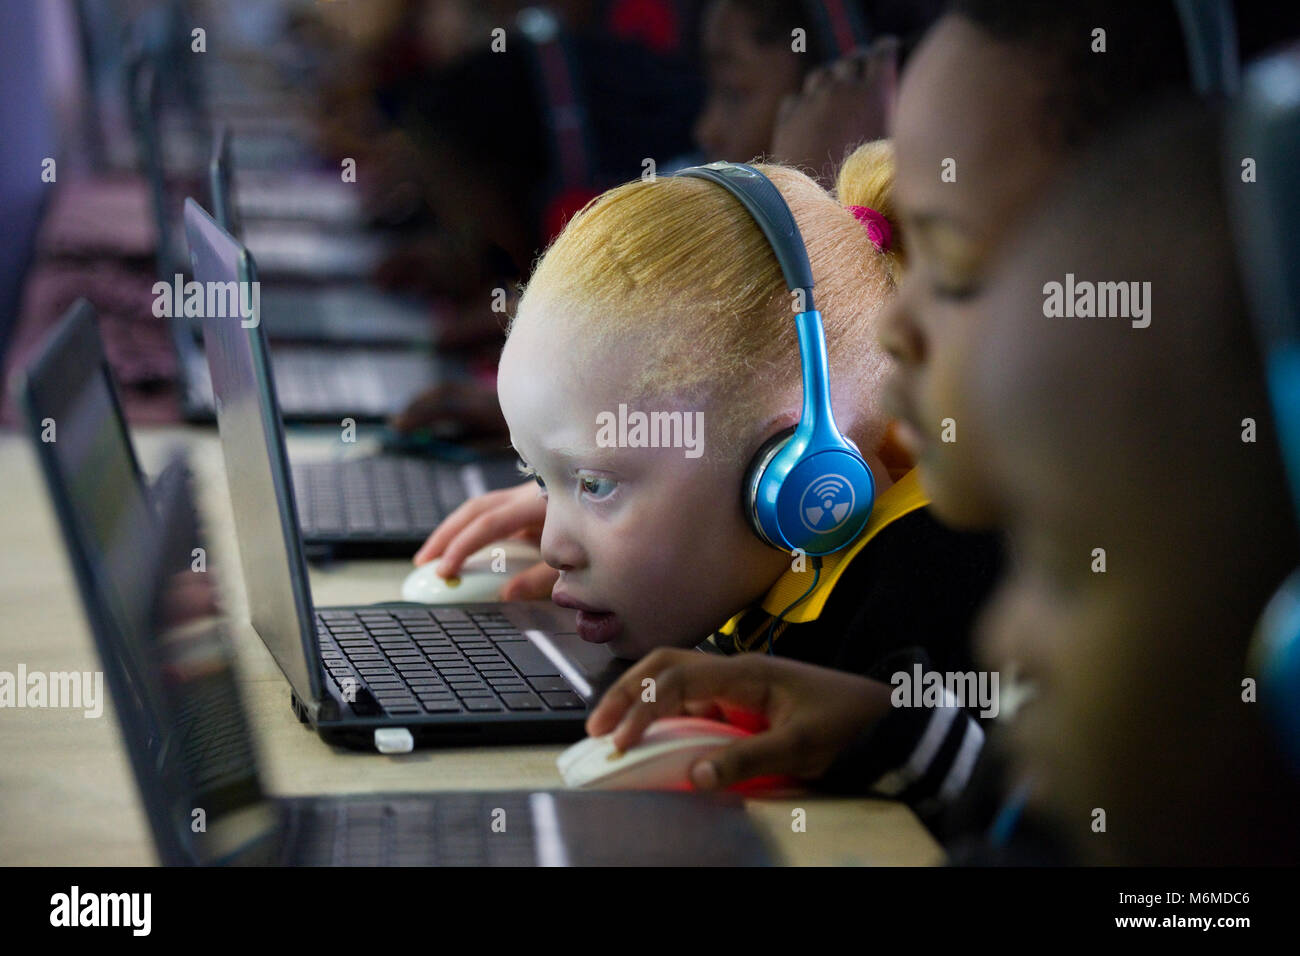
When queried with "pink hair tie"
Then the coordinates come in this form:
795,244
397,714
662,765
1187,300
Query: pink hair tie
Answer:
877,226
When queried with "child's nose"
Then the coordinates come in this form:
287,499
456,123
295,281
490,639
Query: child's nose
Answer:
559,548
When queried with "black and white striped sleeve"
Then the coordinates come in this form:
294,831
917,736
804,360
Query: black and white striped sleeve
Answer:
923,756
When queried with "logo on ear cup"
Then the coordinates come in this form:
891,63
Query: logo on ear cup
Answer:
826,504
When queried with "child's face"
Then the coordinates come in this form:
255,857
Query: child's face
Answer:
1125,607
746,83
650,543
967,167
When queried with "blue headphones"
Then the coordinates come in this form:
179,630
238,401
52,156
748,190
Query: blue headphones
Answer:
808,488
1266,127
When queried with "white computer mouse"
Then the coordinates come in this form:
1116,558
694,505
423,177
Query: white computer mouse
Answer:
481,577
659,761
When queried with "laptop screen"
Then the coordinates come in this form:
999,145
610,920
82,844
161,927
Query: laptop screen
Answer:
143,599
76,422
257,470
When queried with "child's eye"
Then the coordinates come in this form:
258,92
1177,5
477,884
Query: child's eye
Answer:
955,293
596,487
529,472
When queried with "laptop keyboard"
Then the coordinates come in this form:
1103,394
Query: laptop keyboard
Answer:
320,383
421,661
377,497
446,829
311,381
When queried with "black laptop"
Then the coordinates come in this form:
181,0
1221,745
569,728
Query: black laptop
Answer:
355,313
379,504
169,667
511,671
319,382
291,251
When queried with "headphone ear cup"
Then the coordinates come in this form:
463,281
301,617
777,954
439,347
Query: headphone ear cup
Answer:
1275,658
754,476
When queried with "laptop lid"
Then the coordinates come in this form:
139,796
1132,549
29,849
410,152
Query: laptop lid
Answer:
222,183
257,464
117,547
71,406
142,91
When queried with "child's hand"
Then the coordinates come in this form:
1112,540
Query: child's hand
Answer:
841,106
512,512
461,409
811,713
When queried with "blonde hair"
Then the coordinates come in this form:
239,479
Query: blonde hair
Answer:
676,268
867,179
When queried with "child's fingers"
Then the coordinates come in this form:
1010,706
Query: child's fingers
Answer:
625,692
707,709
815,80
846,68
776,752
789,103
453,525
882,67
491,525
531,584
684,678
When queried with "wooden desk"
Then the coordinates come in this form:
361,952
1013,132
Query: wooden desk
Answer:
66,791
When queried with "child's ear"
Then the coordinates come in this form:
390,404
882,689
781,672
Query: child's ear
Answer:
776,425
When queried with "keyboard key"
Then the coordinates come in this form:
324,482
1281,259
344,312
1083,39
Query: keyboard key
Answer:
521,701
528,660
481,704
563,700
548,683
441,706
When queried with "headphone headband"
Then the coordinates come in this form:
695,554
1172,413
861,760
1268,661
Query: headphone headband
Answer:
765,203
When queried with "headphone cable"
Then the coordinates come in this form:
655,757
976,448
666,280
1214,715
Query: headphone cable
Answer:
780,618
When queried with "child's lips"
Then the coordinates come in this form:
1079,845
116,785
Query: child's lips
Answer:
599,628
594,625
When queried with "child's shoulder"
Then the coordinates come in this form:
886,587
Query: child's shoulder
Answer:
918,585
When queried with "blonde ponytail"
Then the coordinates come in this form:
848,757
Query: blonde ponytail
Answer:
867,179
